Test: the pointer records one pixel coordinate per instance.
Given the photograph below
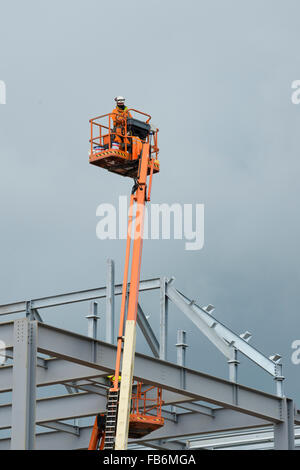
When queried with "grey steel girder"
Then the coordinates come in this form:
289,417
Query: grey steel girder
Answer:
60,408
199,386
71,297
219,334
147,331
187,425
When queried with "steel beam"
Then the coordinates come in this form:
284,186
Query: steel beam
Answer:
161,444
147,332
203,410
207,329
72,297
187,425
194,424
24,385
196,313
236,440
57,440
54,409
199,386
58,426
7,334
60,371
59,408
41,362
86,387
240,440
284,432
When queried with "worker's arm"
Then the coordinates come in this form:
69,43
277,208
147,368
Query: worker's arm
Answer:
114,116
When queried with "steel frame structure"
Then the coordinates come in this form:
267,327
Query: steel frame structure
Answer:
44,355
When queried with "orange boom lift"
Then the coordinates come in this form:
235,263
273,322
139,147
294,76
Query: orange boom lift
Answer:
133,409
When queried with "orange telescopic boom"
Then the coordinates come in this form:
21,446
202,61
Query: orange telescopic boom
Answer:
127,414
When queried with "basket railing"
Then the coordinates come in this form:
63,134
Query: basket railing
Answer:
142,403
103,133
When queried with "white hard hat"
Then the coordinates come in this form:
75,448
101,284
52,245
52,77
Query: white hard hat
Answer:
120,99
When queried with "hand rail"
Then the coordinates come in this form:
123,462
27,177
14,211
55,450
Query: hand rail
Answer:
101,138
140,401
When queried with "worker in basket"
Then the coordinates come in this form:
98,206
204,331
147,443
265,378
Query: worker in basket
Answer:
119,117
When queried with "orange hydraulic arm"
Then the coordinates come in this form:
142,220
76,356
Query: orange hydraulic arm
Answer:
138,200
98,433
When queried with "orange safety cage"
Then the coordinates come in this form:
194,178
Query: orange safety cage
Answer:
122,160
145,415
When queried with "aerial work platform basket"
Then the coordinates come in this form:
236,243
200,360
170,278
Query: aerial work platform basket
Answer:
145,416
118,149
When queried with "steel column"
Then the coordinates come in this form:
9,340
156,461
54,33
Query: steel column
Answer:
24,385
110,302
92,326
181,347
233,366
284,437
163,320
279,379
93,320
147,331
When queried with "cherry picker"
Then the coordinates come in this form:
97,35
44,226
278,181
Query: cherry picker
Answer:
133,409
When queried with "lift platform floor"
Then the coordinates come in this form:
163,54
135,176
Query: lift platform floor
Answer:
118,161
140,425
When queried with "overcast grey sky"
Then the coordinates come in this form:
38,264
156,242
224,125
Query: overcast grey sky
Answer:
216,77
